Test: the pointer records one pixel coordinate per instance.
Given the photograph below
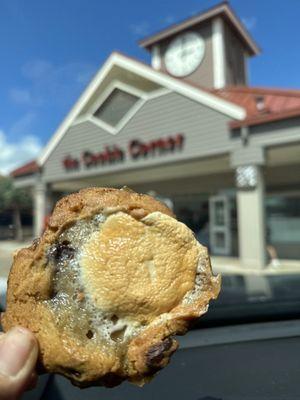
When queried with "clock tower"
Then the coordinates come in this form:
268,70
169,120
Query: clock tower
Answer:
210,49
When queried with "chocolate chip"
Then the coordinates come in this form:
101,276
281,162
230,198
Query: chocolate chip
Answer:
89,334
114,319
118,334
156,352
62,251
111,380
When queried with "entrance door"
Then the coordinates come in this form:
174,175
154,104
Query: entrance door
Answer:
219,224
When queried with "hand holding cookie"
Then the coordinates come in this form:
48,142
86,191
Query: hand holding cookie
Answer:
18,356
107,287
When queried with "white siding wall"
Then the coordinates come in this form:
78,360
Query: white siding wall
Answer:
205,130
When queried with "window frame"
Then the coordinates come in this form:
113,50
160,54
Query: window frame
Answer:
116,84
129,114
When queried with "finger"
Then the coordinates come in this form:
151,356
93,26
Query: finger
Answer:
18,355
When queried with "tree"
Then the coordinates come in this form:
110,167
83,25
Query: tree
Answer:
15,200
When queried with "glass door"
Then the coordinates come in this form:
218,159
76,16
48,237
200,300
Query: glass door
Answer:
219,224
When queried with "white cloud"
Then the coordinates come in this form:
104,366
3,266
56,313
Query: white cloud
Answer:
37,69
249,22
50,84
140,29
13,155
23,124
48,87
20,96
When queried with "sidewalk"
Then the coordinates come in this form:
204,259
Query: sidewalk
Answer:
232,266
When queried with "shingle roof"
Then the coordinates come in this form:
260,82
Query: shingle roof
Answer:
275,100
275,104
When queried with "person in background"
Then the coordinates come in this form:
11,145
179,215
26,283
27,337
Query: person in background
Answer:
271,250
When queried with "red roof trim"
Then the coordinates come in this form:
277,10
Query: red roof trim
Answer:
259,90
264,119
29,168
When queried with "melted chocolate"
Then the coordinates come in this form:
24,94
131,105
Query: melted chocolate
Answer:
62,251
156,352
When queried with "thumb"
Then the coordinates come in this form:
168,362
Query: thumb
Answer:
18,355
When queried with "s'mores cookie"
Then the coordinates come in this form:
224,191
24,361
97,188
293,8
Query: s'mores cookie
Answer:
111,281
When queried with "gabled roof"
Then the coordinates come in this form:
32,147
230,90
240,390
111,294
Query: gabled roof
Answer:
238,102
220,10
130,65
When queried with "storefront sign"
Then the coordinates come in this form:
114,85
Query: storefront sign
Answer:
136,150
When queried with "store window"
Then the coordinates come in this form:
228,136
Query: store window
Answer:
283,225
219,216
116,106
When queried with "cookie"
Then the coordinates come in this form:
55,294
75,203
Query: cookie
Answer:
111,281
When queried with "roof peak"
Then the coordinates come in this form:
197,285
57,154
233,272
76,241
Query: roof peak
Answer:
224,9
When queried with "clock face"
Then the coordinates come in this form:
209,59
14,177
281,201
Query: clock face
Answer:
184,54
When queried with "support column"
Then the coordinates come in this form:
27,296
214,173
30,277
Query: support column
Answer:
251,216
41,199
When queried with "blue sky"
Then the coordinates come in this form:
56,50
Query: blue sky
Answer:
50,50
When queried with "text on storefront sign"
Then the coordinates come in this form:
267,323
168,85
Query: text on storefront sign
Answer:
136,150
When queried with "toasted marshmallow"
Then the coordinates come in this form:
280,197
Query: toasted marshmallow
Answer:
139,269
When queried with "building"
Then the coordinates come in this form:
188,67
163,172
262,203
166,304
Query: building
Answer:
188,127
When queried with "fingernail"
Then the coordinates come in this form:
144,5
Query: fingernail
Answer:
14,351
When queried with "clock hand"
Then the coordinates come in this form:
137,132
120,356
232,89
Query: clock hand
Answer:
183,53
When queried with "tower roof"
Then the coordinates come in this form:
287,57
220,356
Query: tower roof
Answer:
222,10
